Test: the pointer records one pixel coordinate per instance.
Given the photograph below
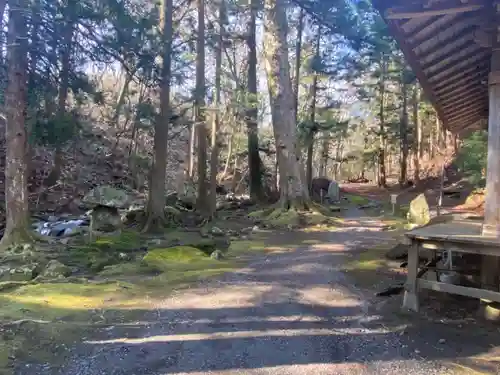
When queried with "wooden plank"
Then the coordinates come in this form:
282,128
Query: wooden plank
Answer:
479,76
464,62
454,62
465,108
460,246
453,52
466,34
467,120
437,10
466,71
418,37
468,110
477,96
454,98
460,290
410,299
471,113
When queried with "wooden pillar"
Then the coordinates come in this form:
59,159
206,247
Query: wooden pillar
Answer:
491,225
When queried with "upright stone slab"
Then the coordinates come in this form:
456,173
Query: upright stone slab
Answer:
333,191
419,212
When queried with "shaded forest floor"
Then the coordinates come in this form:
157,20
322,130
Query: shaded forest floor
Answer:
288,299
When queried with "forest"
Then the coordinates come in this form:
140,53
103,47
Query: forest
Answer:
192,114
225,92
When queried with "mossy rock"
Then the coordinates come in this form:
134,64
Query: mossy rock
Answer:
164,260
206,245
55,270
283,218
9,285
126,269
25,272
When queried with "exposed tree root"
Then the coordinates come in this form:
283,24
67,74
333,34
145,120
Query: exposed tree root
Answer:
16,237
154,224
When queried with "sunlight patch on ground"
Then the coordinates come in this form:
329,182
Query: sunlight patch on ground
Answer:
239,334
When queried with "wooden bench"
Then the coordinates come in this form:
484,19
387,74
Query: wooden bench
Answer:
463,236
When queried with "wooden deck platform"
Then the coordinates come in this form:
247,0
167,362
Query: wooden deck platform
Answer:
466,232
458,236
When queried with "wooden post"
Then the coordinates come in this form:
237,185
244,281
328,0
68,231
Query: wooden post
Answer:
410,299
491,225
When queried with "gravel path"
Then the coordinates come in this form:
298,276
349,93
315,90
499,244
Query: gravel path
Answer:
290,313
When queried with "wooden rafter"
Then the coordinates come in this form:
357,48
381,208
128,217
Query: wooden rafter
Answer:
440,43
458,64
467,99
464,36
460,84
465,91
466,71
454,53
469,118
459,110
465,111
420,35
441,9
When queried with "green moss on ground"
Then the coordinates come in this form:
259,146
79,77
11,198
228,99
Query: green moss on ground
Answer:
356,199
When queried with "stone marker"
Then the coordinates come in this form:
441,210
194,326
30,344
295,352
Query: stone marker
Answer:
333,191
419,211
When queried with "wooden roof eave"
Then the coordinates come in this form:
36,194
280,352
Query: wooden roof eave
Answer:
453,80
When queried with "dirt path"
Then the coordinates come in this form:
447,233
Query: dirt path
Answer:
290,313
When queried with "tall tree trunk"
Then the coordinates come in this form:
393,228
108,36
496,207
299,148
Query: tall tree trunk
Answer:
67,47
214,157
312,118
33,99
156,198
254,162
294,191
382,181
16,185
298,58
3,66
417,153
121,98
403,135
325,150
202,201
192,149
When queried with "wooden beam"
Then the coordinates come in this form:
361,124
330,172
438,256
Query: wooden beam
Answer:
450,99
459,92
414,35
476,114
467,102
461,290
464,33
465,110
450,54
462,110
475,78
412,59
397,13
458,64
454,76
418,36
478,98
